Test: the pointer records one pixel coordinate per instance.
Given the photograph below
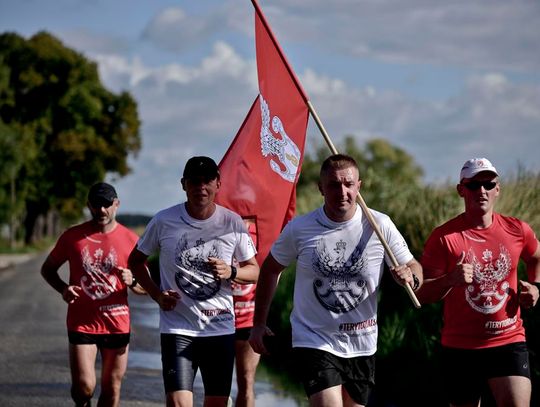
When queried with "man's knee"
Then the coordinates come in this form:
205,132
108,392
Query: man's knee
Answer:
511,390
82,393
216,401
245,381
110,391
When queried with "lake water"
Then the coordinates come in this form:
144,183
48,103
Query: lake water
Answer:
145,318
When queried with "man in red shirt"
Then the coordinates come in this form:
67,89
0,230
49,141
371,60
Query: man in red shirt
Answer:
246,359
96,294
471,263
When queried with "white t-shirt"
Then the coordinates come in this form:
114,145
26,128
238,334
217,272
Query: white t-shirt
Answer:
339,268
205,307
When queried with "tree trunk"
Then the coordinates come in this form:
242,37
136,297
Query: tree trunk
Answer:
13,219
32,214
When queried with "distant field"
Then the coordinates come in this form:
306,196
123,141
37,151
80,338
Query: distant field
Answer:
135,222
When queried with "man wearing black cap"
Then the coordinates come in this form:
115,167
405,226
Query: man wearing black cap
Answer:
197,241
471,263
98,312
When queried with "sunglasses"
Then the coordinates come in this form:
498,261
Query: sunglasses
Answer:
475,185
99,203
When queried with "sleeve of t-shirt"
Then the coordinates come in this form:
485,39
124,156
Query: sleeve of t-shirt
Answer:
149,241
434,258
284,249
396,242
245,249
60,252
530,241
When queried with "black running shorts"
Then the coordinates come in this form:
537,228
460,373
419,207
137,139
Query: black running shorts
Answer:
466,371
107,341
182,356
321,370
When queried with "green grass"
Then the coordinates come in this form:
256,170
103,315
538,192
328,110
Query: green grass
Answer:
20,248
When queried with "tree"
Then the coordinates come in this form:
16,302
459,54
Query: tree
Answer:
79,130
12,155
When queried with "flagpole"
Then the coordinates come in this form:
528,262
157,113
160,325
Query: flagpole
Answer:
311,109
363,205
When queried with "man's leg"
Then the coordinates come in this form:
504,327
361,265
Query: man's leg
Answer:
334,396
179,398
347,399
114,365
461,371
246,366
82,360
179,369
216,361
512,391
330,397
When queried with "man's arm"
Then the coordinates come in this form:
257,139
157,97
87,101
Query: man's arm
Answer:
529,291
409,273
129,279
137,264
248,272
437,287
49,271
266,287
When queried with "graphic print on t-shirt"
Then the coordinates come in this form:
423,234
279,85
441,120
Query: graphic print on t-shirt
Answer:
99,281
489,290
338,284
194,275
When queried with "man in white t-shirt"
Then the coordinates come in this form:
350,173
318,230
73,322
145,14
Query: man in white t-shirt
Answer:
339,267
196,241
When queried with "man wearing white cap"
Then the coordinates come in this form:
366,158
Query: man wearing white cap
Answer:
470,263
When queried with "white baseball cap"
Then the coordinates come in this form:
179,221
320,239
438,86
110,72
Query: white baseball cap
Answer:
475,166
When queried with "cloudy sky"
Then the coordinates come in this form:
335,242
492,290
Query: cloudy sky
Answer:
446,81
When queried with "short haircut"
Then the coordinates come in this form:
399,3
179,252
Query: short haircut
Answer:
338,162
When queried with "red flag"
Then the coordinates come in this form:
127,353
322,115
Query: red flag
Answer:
261,167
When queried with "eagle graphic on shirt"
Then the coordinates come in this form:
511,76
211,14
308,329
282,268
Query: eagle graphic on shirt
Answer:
99,280
194,274
339,284
490,289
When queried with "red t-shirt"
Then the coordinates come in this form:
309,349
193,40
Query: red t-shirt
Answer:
244,304
485,313
93,257
244,295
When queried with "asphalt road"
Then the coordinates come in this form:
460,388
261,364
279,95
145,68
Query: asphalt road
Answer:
34,365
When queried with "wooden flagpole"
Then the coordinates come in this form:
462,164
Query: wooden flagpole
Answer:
364,207
359,198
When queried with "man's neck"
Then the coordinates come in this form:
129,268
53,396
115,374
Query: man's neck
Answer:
200,213
479,221
338,217
109,227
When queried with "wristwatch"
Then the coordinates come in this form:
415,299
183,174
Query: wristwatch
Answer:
234,272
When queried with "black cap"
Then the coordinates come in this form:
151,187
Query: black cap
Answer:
101,194
201,167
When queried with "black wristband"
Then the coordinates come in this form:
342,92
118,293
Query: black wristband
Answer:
133,282
416,282
234,272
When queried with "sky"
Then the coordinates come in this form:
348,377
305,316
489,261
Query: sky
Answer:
445,81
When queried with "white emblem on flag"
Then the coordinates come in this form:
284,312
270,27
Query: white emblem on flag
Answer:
283,148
